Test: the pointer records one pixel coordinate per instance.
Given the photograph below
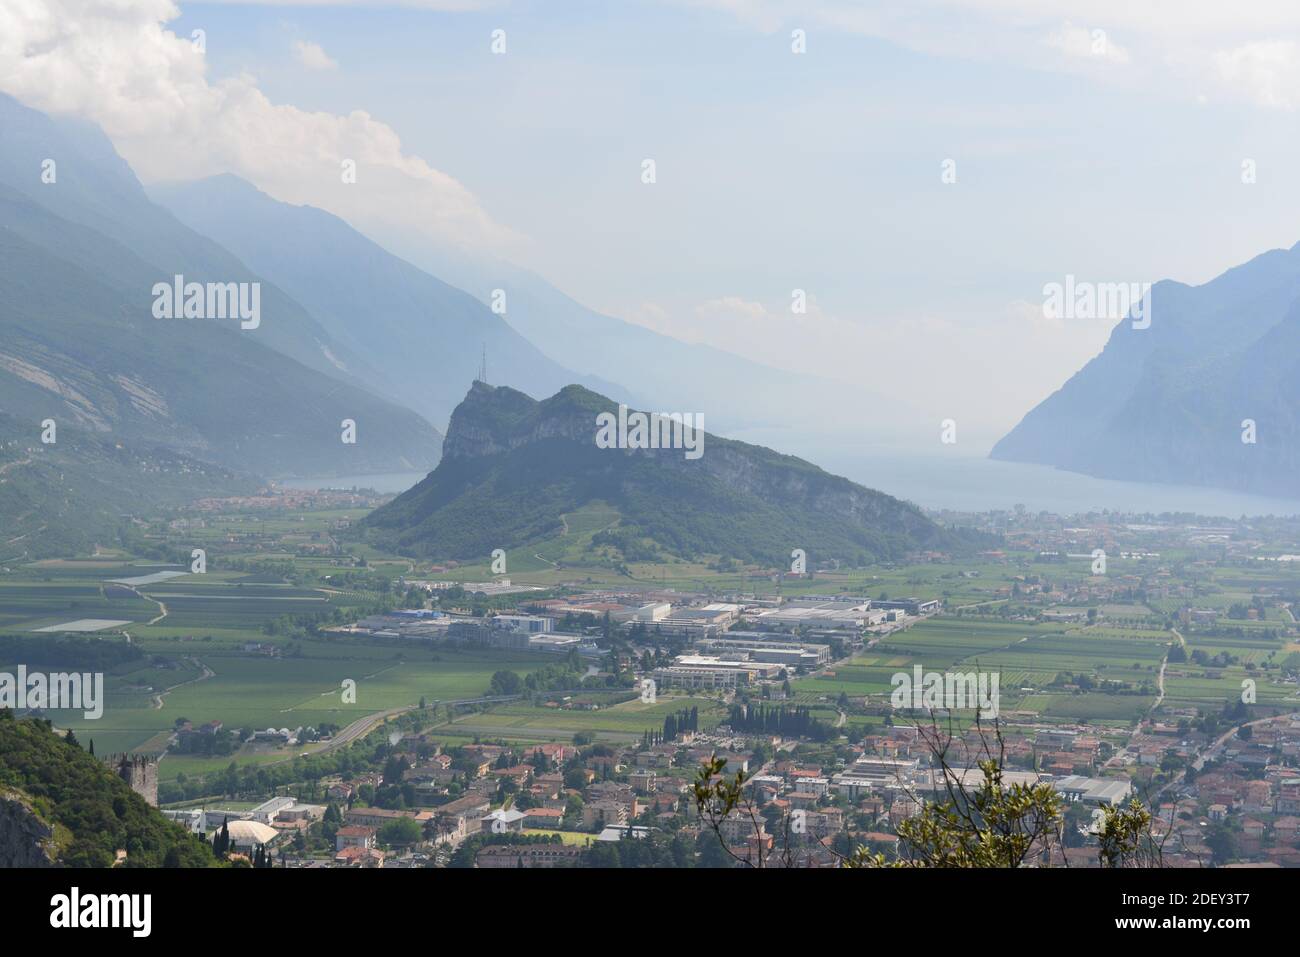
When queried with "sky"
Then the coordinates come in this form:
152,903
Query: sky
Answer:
1104,140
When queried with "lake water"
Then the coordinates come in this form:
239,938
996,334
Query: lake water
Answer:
972,482
961,482
966,483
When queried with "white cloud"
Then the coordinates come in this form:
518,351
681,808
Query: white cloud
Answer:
115,63
1200,50
1207,19
313,56
1266,73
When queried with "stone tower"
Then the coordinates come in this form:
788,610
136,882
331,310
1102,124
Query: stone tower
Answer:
141,772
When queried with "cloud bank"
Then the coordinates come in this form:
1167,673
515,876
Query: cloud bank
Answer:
116,63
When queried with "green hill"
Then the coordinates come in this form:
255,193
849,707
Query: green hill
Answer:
59,802
64,498
512,467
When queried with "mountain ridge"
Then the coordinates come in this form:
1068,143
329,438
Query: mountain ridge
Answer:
1168,403
657,369
423,336
199,406
737,500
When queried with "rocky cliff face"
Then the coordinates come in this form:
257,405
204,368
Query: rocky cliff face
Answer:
493,421
1170,402
25,839
513,466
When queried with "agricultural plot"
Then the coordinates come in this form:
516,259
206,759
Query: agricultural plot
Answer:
132,694
1116,709
626,721
1246,649
84,569
871,677
1027,658
1212,689
1080,652
258,692
936,644
175,765
1127,611
229,606
27,605
943,642
1134,655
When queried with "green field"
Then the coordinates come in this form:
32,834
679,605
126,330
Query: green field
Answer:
258,693
517,721
273,576
1028,657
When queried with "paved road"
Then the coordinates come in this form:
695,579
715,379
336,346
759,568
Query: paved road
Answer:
360,728
363,726
1160,696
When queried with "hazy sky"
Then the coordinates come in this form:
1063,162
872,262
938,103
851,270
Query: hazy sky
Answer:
1113,156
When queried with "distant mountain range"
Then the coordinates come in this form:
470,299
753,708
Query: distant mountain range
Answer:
1169,403
661,372
513,468
349,331
197,404
400,316
418,340
80,259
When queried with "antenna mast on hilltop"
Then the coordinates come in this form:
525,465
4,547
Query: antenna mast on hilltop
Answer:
482,367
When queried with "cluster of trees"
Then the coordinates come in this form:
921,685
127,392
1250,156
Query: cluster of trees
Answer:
361,579
787,722
687,719
222,743
656,849
1226,631
505,683
221,840
1291,663
557,677
308,626
264,568
73,790
1234,712
1221,660
262,858
1084,683
70,651
365,754
403,831
1241,611
630,541
567,676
